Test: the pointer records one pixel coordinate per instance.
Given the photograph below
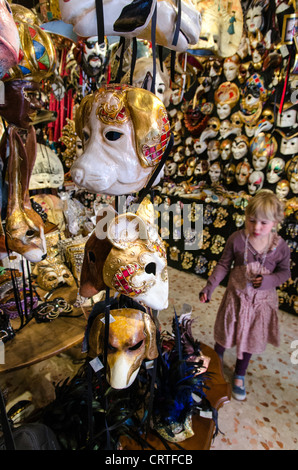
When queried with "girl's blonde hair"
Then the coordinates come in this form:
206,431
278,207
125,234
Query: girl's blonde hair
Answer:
265,205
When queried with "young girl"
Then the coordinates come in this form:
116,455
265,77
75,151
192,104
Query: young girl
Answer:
258,260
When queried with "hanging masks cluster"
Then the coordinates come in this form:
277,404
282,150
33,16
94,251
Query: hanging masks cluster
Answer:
240,129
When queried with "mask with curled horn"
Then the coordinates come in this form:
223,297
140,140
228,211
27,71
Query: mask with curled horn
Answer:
132,338
130,257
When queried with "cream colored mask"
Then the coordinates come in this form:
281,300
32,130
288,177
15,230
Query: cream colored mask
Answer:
129,258
47,171
133,19
132,338
124,132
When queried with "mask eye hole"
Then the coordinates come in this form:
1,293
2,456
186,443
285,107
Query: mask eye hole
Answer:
136,346
30,233
113,135
91,257
150,268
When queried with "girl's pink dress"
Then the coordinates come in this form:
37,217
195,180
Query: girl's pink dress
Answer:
247,317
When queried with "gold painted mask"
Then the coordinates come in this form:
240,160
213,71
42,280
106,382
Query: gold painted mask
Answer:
132,338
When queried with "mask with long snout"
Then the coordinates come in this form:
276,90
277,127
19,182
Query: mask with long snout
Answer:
130,257
132,338
133,19
124,132
24,228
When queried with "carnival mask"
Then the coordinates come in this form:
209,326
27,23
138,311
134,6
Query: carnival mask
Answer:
231,68
91,55
242,173
215,172
123,18
9,39
226,97
254,18
254,95
52,273
289,145
229,171
145,66
170,168
48,170
240,147
275,170
129,258
263,146
201,168
288,116
213,150
221,33
124,131
294,183
225,149
255,182
21,103
282,189
132,338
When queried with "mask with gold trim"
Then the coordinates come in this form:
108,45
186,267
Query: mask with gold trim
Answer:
132,338
131,128
52,273
129,258
263,147
37,52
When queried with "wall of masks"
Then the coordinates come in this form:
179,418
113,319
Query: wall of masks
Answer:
236,131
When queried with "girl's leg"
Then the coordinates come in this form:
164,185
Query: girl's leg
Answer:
238,383
219,349
242,364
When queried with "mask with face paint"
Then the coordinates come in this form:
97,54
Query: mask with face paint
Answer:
275,170
52,273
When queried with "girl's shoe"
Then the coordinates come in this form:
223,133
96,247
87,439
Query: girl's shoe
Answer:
239,393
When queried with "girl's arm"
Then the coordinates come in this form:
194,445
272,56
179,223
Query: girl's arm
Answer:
281,272
220,271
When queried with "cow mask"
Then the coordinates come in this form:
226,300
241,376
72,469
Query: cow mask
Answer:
124,131
130,258
132,338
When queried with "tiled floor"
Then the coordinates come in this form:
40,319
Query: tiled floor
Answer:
268,419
